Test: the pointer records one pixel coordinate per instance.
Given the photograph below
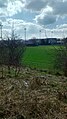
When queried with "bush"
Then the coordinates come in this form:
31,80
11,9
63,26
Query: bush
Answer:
61,58
11,53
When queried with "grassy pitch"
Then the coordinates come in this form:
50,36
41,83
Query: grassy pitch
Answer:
41,57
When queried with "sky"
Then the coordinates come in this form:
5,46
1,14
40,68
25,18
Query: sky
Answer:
41,18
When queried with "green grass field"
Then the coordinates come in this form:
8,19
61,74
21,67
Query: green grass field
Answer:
41,57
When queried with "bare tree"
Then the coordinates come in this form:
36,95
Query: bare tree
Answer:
11,53
16,50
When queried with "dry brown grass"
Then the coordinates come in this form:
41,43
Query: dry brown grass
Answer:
33,95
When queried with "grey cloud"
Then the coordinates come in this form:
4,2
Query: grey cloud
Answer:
60,8
46,20
36,5
3,3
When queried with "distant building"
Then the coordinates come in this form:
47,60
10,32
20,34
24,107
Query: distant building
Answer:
52,41
44,41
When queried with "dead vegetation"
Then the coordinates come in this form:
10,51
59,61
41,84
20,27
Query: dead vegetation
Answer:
33,95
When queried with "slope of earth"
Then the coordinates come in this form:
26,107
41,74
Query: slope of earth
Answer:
33,95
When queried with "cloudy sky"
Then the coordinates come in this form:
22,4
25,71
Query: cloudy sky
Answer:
47,16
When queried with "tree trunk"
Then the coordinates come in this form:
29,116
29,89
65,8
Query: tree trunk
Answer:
8,70
2,72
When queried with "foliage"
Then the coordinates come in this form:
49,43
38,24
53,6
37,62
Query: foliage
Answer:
61,58
3,55
11,52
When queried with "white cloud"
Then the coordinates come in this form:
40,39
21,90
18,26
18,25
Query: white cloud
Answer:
46,16
48,10
62,26
32,29
48,13
11,7
43,7
19,25
14,7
